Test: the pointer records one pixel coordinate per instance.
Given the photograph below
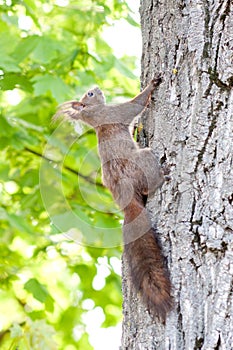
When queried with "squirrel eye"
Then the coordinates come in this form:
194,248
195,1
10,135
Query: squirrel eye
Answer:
90,94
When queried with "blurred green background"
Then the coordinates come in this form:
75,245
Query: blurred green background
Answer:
54,292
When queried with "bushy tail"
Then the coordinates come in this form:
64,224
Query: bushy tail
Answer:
146,262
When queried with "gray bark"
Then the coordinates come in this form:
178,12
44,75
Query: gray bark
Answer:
190,125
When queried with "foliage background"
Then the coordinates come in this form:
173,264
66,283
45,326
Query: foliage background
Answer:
50,286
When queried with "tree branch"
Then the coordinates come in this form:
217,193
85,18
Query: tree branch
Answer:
73,171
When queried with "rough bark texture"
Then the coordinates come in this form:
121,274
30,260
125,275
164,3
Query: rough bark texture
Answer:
190,125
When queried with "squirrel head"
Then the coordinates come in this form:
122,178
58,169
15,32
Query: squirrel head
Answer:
70,109
93,97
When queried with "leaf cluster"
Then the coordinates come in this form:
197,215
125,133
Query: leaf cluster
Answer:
55,215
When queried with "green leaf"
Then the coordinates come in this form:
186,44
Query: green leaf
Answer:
44,83
46,50
4,142
30,178
25,47
4,172
123,69
5,127
3,214
6,37
31,11
39,292
19,223
13,80
9,64
131,21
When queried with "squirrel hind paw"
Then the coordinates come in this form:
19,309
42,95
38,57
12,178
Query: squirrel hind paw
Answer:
167,178
166,169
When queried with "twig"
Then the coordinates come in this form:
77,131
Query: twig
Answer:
73,171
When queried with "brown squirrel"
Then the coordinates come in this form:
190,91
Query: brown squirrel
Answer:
131,174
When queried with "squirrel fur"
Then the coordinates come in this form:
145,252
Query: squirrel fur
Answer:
131,174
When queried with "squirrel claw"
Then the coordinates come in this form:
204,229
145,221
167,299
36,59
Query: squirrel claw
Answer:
166,171
167,178
157,80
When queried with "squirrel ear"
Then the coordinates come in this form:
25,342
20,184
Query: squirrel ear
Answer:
77,105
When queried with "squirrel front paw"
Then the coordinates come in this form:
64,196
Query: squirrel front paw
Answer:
157,80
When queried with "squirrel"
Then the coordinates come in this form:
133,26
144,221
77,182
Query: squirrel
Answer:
132,174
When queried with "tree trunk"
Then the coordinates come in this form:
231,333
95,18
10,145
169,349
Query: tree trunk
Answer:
190,125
